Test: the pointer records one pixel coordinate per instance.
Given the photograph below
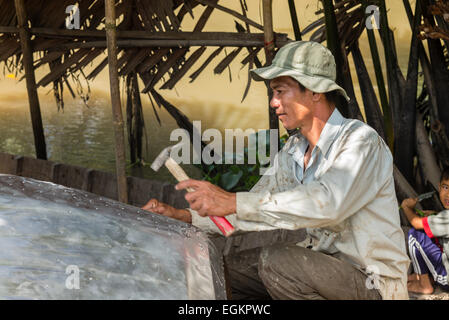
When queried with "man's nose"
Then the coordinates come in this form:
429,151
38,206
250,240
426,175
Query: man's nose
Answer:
275,102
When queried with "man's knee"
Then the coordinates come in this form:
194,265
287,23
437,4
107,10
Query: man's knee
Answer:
269,259
273,270
287,272
275,260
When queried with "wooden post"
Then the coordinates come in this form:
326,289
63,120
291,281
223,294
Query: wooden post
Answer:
268,30
294,17
269,54
27,53
120,158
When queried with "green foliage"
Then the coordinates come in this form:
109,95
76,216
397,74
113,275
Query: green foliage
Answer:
237,177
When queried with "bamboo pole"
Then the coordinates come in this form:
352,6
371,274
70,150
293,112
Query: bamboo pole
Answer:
166,43
294,17
115,101
137,38
27,53
268,30
138,34
269,54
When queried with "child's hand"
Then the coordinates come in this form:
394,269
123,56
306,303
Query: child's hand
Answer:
409,203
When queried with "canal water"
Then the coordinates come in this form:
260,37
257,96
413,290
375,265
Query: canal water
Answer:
82,134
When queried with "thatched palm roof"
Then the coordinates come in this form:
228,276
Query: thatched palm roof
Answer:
150,40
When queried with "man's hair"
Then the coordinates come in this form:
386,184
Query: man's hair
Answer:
301,87
444,174
331,96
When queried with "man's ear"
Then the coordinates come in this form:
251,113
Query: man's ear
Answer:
316,96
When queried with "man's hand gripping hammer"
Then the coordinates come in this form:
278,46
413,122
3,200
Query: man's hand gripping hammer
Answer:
164,159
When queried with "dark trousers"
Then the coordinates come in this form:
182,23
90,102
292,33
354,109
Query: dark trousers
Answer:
286,271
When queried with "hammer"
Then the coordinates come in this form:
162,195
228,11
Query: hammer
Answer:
164,159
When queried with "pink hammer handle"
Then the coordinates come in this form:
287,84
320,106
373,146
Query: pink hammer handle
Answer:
223,224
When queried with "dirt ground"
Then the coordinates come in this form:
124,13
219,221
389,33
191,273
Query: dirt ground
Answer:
437,295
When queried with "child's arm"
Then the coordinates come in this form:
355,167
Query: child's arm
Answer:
408,205
437,225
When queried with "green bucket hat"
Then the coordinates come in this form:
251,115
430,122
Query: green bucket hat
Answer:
308,62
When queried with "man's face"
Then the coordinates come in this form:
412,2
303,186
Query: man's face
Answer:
292,106
444,193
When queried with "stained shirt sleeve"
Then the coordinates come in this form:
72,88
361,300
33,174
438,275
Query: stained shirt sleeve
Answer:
266,182
206,224
361,167
438,225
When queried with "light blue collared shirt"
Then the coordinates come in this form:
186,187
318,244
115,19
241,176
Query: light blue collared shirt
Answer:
327,137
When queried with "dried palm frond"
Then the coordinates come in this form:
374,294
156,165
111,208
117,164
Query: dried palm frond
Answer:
75,49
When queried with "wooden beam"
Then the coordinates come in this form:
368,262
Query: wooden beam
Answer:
138,38
120,156
269,54
27,53
164,44
137,34
9,29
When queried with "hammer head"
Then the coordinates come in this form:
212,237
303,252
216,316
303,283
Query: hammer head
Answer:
162,157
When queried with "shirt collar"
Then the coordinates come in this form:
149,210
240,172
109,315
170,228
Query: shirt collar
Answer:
330,131
327,136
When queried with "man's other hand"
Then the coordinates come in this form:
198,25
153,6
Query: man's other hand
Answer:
166,210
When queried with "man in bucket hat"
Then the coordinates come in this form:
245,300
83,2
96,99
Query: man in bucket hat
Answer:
334,177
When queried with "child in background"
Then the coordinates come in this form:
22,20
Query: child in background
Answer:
428,243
